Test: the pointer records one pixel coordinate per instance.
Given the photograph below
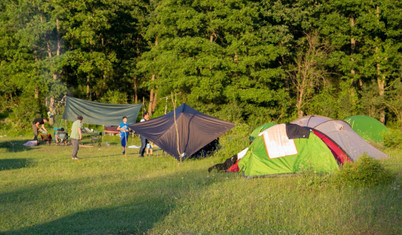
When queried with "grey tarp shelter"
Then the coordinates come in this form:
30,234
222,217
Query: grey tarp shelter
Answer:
195,130
99,113
342,134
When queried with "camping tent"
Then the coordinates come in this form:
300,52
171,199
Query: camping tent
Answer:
194,129
311,121
275,151
99,113
342,134
260,129
368,128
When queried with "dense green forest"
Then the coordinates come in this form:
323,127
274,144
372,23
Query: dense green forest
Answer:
239,60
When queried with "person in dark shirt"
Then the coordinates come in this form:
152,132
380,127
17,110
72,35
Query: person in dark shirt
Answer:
144,141
35,126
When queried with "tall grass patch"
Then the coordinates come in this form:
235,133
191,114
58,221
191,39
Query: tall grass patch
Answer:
365,172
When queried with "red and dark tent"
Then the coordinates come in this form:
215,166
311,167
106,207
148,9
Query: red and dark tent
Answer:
190,132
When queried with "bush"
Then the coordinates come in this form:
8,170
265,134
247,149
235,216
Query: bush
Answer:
393,139
24,112
114,97
365,172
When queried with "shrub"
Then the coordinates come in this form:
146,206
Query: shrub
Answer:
393,139
24,112
365,172
114,97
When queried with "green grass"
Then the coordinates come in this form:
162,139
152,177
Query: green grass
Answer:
43,191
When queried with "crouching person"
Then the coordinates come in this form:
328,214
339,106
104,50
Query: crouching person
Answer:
61,136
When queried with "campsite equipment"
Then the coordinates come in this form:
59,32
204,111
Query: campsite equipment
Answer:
260,129
60,136
99,113
111,130
368,128
342,134
273,152
184,135
311,121
31,143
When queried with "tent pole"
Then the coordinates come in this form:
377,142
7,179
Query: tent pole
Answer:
103,133
175,123
125,148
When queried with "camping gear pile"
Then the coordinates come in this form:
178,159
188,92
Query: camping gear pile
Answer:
314,143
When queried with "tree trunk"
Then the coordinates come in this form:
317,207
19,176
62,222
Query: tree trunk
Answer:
58,37
381,86
135,90
352,44
58,48
88,88
151,97
300,112
299,102
155,100
143,105
51,111
380,77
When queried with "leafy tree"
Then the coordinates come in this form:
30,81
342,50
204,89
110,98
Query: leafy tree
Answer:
364,35
240,60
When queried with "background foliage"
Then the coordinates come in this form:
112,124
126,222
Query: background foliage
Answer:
240,60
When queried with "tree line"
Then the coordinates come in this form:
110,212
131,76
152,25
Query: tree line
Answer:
240,60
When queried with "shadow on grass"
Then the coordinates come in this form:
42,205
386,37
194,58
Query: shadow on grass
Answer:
9,164
147,201
134,218
14,145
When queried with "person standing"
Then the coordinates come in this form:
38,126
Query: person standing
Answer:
124,129
145,117
76,136
36,128
149,149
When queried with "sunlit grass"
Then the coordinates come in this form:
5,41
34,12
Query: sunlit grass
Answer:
43,191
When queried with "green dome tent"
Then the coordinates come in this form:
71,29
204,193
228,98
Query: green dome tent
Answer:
368,128
274,152
260,129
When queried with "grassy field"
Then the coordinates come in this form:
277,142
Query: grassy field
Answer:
43,191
